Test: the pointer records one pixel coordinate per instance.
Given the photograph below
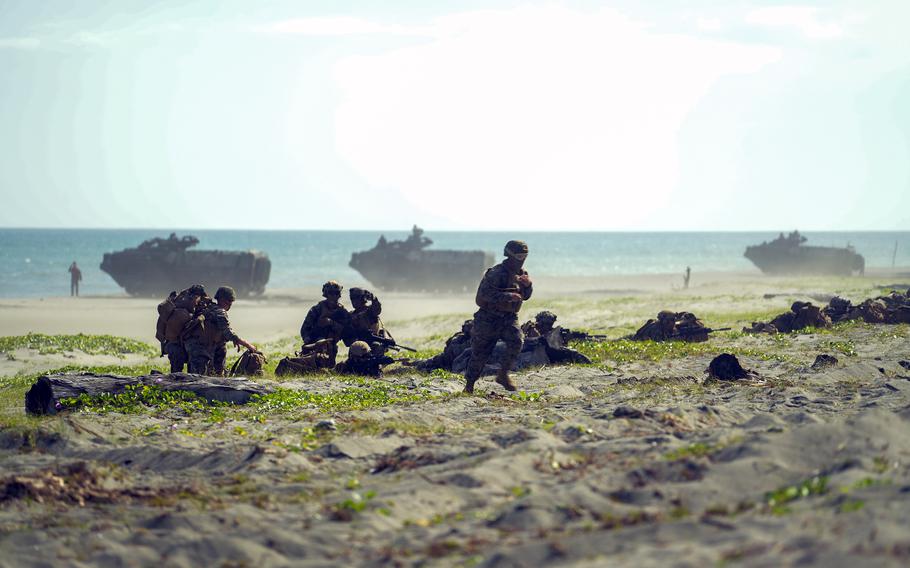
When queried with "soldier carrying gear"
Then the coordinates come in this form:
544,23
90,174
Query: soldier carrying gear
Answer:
206,341
174,314
328,319
500,294
362,361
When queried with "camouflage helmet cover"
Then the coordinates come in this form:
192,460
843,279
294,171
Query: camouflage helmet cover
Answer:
666,315
196,290
356,292
225,293
514,248
359,349
545,317
331,287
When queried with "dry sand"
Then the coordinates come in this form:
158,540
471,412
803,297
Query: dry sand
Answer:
632,462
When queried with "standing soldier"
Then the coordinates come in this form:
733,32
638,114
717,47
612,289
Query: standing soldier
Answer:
206,344
185,305
327,319
500,295
75,278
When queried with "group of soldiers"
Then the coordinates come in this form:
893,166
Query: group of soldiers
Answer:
892,308
194,330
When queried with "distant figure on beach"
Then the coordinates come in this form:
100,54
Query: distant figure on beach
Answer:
75,278
499,296
686,277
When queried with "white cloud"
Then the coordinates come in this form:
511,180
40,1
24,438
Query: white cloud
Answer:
709,24
534,117
336,26
804,19
19,43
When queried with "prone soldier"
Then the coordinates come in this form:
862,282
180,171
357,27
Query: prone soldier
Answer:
328,319
362,360
554,339
455,346
500,294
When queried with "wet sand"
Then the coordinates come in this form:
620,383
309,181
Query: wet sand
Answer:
629,461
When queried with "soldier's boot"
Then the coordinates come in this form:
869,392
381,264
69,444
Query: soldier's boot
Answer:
469,384
502,377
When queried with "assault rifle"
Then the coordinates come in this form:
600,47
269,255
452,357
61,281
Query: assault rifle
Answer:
575,335
691,331
388,342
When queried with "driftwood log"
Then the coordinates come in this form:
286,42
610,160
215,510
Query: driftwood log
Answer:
49,390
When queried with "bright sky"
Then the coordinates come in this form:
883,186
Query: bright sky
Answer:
625,115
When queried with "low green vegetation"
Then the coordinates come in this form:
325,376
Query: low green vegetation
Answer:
374,395
627,351
138,398
778,499
847,347
696,450
89,344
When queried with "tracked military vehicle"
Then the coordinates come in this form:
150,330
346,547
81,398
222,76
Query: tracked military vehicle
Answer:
409,267
786,256
158,266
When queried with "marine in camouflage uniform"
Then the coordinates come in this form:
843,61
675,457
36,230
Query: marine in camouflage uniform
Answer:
206,345
185,306
364,323
326,320
455,346
554,339
363,361
680,326
500,295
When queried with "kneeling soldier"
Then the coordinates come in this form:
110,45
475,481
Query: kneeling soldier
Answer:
326,320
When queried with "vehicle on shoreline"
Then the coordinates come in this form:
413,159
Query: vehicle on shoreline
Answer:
787,255
158,266
408,266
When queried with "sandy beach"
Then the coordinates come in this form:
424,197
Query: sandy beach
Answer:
637,459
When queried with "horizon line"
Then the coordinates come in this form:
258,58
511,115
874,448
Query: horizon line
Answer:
506,230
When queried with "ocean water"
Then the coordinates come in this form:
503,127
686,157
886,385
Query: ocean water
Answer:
33,262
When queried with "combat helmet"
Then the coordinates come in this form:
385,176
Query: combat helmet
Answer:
225,293
515,249
195,290
545,318
331,287
359,349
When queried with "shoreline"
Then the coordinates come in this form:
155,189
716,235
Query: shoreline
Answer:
278,313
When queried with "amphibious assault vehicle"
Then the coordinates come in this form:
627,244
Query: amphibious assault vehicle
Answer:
788,256
158,266
407,265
